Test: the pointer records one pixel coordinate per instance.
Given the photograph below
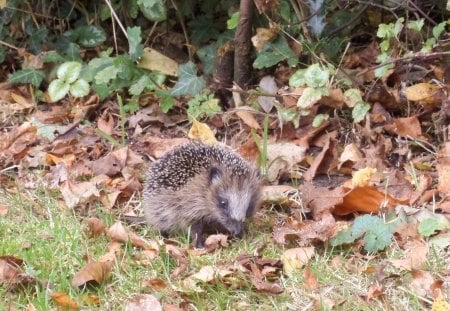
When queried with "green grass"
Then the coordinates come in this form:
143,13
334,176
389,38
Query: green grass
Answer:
51,241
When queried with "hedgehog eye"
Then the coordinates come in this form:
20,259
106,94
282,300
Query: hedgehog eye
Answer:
223,203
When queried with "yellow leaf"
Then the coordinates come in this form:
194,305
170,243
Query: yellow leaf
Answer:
362,177
421,92
440,305
153,60
202,132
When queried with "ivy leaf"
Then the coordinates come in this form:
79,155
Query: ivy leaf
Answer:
316,76
438,29
69,71
107,74
90,35
188,82
80,88
72,52
428,227
319,119
376,233
58,89
139,86
32,76
167,100
203,29
310,96
153,10
207,56
275,52
136,49
359,111
298,78
233,21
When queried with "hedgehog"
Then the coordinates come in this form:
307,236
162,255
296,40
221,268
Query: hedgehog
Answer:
202,187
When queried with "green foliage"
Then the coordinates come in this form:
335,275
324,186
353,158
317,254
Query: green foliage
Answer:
203,106
87,35
207,56
32,76
274,52
429,226
68,80
377,235
188,82
319,119
360,107
134,40
233,21
153,10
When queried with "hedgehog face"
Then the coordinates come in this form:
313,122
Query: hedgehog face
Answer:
235,196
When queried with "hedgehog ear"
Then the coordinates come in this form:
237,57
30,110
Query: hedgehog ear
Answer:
214,175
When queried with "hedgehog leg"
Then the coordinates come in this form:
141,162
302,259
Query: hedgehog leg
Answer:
197,234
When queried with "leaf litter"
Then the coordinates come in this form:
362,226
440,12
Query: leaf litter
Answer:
393,165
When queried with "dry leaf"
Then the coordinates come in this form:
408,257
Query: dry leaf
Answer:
263,35
295,258
153,60
421,92
282,157
120,233
405,127
363,199
180,256
143,302
95,272
362,177
351,153
248,119
156,284
201,131
415,256
311,281
64,301
95,226
443,169
268,86
82,193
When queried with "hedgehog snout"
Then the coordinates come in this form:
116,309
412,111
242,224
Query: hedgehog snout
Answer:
236,228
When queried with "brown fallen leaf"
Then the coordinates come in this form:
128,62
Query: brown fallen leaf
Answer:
156,284
443,169
12,275
307,231
374,291
15,144
423,283
311,281
95,226
64,301
325,160
363,199
143,302
405,127
106,123
94,272
180,256
75,194
213,242
266,287
120,233
415,256
422,92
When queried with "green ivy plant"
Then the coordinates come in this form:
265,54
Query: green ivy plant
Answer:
68,81
376,233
